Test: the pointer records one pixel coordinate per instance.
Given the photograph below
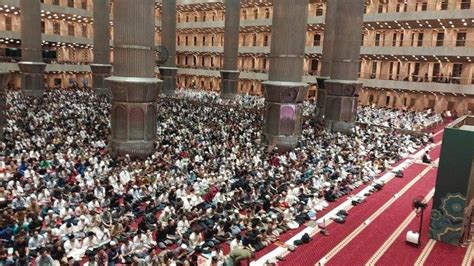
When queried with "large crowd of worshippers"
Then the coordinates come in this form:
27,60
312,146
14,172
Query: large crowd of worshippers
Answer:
241,100
387,117
63,198
401,119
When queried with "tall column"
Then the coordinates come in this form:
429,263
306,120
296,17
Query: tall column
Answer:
328,48
101,68
285,91
343,85
4,75
31,66
230,75
169,71
133,84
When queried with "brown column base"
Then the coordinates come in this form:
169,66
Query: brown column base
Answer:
321,100
341,104
4,76
32,78
229,83
133,115
99,73
168,75
283,114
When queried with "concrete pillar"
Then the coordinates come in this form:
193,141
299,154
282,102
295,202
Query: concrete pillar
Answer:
343,85
230,75
169,71
101,68
133,84
284,91
31,65
4,76
328,42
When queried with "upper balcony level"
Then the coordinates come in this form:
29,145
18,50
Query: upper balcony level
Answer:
369,83
255,50
431,52
79,8
210,14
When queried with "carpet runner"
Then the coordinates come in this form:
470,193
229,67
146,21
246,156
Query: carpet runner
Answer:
316,249
380,229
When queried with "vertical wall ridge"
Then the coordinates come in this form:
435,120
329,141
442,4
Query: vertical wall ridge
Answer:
168,26
231,34
101,32
31,30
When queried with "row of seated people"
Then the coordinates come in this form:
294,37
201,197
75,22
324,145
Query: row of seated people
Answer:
388,117
400,119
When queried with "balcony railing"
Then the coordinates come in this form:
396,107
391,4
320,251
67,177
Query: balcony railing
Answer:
437,5
421,43
441,78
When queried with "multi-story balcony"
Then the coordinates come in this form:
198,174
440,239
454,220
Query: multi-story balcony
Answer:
444,84
396,35
453,88
82,9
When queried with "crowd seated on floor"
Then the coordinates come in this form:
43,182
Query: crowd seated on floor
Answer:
388,117
210,184
400,119
241,100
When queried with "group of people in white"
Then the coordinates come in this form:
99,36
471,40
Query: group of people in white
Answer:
210,182
372,115
400,119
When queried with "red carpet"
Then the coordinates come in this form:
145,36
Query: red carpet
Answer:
374,235
283,238
314,251
445,254
434,153
410,253
332,205
288,235
438,137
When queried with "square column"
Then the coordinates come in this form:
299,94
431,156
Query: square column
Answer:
230,75
101,68
328,50
229,83
321,100
169,71
341,63
4,76
99,73
133,84
168,75
31,67
285,91
32,78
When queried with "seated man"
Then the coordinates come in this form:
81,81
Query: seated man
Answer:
426,158
239,254
254,239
